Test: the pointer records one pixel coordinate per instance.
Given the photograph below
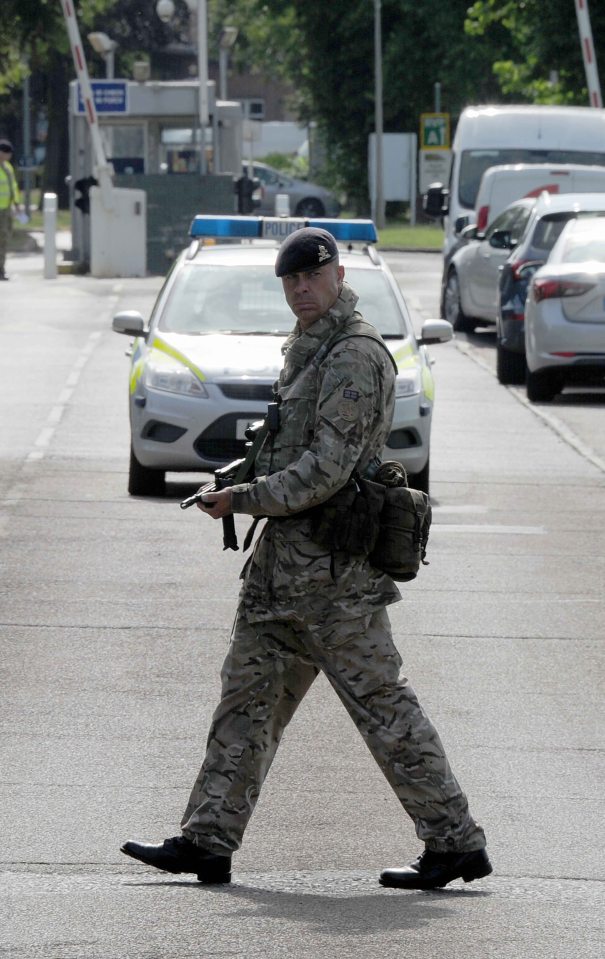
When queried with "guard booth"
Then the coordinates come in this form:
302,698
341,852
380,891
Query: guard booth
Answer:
152,138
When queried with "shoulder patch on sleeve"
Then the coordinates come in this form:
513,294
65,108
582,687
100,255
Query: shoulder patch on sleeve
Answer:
347,410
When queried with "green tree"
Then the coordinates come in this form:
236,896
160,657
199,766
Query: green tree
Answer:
542,58
326,51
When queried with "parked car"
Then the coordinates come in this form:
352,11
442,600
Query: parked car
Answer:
203,368
470,286
502,185
306,199
548,217
565,312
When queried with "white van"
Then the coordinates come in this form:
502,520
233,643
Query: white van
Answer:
489,136
502,185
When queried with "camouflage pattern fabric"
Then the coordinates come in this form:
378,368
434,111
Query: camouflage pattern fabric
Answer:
268,669
333,418
303,609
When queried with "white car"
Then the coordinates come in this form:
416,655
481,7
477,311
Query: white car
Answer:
203,369
565,312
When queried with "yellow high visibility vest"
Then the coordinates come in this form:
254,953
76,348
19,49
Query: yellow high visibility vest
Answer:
9,191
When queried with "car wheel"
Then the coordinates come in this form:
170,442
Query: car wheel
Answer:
143,481
510,367
310,208
542,386
420,480
452,308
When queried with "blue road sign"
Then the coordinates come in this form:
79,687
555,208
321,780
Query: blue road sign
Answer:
110,96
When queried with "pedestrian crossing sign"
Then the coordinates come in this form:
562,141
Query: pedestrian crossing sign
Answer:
434,131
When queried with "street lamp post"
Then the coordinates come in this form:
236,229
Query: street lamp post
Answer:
106,47
165,11
378,196
226,40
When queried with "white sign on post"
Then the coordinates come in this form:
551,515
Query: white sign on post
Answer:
398,168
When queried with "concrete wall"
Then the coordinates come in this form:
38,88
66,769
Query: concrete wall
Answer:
172,202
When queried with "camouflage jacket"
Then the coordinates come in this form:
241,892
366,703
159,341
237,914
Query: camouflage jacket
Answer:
336,410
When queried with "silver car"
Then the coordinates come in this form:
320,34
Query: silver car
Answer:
470,283
203,368
306,199
565,312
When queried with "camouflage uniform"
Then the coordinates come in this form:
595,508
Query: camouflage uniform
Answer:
303,609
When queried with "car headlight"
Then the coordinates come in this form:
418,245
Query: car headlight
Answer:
407,383
173,378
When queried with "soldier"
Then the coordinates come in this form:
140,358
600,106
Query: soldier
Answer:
305,608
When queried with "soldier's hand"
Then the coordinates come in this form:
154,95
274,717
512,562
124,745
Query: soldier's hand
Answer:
216,504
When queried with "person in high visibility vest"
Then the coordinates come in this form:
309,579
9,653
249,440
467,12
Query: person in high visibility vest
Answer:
9,200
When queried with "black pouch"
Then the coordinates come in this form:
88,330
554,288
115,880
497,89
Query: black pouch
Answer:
349,520
405,522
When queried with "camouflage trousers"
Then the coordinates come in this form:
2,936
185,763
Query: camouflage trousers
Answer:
268,669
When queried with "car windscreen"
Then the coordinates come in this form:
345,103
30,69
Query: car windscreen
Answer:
209,298
474,163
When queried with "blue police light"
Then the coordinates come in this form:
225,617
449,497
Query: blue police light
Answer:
278,228
348,231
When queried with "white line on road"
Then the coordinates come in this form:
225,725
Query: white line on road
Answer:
55,415
492,528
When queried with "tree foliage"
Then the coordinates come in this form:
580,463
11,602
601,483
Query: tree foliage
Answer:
492,50
542,59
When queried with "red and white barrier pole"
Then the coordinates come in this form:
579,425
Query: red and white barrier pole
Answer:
588,53
103,170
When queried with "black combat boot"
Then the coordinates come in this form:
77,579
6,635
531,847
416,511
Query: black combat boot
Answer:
432,870
181,855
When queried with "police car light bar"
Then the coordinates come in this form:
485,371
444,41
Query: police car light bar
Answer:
278,228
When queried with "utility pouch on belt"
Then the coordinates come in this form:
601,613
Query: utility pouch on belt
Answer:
380,518
349,520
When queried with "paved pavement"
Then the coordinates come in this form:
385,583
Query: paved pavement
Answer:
115,616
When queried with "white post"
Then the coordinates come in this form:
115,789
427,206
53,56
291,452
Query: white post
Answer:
588,53
50,239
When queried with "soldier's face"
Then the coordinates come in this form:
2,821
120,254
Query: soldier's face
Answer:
311,294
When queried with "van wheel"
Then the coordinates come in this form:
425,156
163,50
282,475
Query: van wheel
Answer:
452,308
143,481
510,367
542,386
420,480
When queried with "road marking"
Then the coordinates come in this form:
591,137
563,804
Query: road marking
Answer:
492,528
461,508
56,412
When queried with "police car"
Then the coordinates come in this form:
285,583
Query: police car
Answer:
204,366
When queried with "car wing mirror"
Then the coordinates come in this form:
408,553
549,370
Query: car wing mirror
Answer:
436,200
528,269
501,240
469,232
436,331
131,323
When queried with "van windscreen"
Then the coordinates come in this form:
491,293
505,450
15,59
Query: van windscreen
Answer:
474,163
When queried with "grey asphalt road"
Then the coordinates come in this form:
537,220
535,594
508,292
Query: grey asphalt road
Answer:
115,617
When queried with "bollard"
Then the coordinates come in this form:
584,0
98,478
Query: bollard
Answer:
282,204
50,238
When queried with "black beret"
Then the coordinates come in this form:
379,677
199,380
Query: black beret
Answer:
304,250
6,146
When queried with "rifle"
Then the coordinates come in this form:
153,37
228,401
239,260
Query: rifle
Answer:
239,471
